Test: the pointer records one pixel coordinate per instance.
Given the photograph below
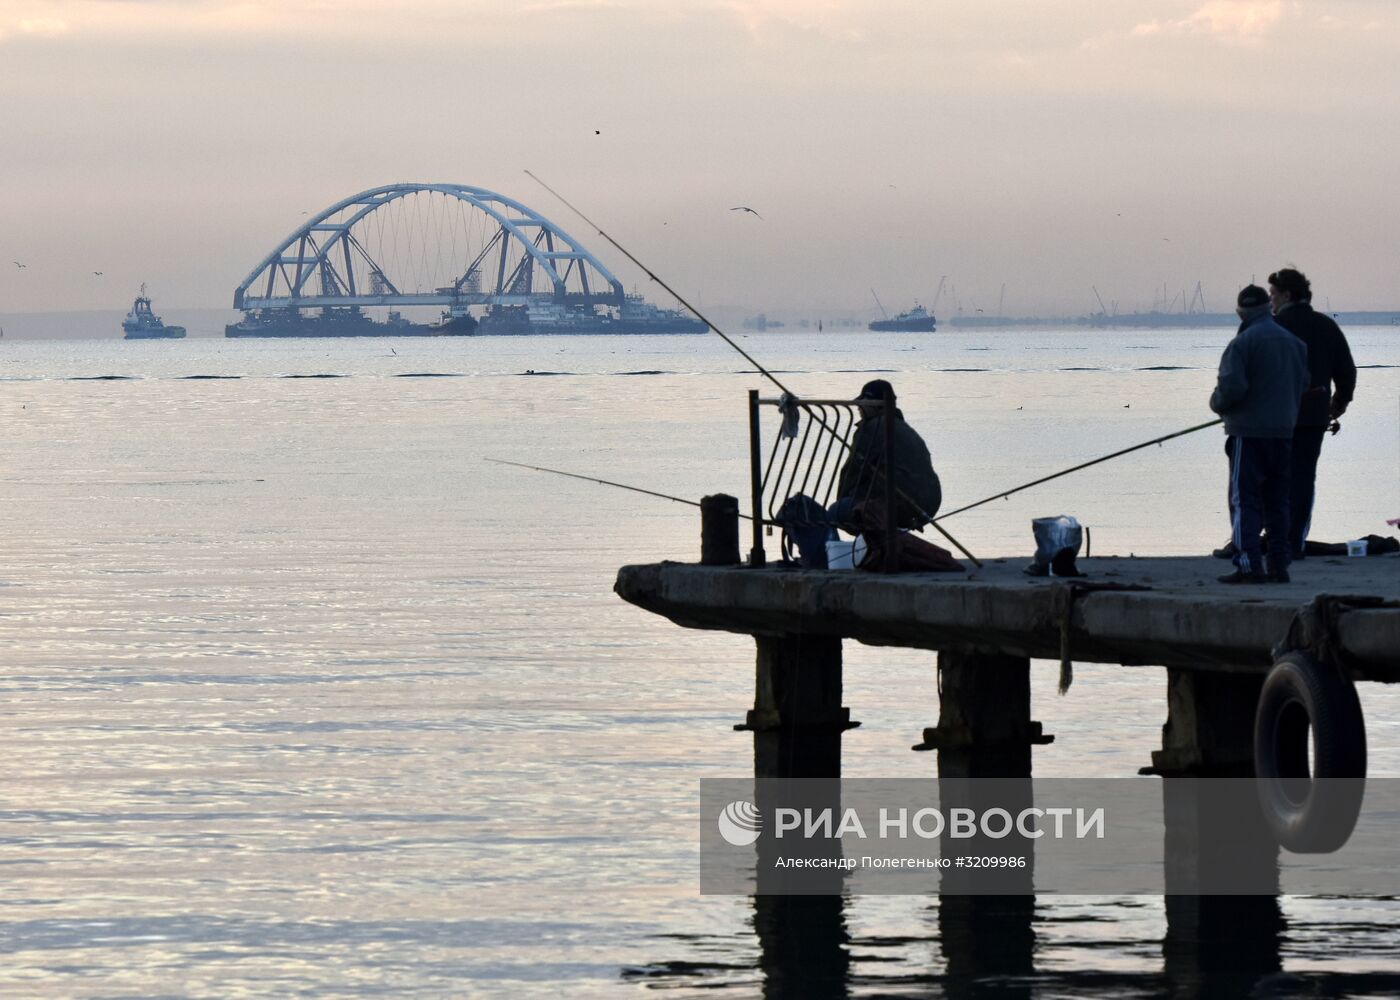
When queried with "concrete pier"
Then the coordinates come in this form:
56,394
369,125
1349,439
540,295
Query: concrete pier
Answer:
1216,642
1175,615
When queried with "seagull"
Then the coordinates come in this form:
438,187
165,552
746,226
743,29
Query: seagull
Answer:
98,273
19,265
744,208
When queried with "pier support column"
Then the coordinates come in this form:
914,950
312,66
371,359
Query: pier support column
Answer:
797,717
985,731
797,721
984,716
1220,943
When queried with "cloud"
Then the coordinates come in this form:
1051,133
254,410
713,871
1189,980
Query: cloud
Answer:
45,27
1240,18
1013,61
1228,20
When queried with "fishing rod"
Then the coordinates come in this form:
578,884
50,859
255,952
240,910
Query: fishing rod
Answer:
1082,465
652,275
603,482
700,316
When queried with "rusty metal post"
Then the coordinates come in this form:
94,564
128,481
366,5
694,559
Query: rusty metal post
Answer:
719,530
756,556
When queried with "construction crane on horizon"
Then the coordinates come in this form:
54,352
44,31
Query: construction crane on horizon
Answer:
936,295
880,304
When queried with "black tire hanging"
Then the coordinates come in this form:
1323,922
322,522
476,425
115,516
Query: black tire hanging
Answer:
1310,810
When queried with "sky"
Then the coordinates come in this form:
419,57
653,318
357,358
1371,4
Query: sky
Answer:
1052,147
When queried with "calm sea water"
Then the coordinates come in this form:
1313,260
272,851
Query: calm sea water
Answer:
302,697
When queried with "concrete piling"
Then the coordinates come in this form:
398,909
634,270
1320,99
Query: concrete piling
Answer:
797,717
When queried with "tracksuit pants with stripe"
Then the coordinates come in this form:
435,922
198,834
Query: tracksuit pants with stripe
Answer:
1261,477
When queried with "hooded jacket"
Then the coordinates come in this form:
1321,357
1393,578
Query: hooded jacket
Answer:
1329,361
1263,374
915,479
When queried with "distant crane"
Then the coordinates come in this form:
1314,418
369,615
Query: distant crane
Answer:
1103,309
880,304
936,295
1001,299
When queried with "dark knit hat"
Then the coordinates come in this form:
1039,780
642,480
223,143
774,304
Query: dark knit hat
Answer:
876,389
1252,297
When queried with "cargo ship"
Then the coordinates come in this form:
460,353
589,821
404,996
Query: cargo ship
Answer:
142,324
545,315
916,320
348,322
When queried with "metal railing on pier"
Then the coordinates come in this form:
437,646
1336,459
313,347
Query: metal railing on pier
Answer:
814,454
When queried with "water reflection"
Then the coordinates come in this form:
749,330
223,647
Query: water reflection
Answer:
804,947
995,946
1221,946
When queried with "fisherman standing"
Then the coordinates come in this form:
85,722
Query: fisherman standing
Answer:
918,492
1329,363
1263,374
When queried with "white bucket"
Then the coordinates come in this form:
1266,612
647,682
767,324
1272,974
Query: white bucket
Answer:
1357,547
841,554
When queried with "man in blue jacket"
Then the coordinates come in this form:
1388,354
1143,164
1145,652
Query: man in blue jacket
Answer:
1263,374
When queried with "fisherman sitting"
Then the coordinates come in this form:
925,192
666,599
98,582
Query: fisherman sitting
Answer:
918,492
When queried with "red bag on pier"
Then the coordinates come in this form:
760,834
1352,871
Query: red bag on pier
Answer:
913,554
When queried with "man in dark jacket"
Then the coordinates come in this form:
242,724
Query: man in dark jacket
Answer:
1263,373
918,491
1329,363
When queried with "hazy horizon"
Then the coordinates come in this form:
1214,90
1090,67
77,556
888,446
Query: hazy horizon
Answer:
1049,148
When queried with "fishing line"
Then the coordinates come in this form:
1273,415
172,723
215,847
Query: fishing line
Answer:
1082,465
603,482
652,275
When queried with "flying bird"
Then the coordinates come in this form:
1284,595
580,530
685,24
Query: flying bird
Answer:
19,265
98,273
744,208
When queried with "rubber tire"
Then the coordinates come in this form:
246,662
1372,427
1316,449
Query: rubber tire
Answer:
1301,696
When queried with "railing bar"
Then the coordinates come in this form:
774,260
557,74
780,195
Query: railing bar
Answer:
756,554
777,479
796,465
891,556
826,457
807,476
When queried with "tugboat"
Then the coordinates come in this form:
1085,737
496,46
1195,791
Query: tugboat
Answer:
916,320
142,324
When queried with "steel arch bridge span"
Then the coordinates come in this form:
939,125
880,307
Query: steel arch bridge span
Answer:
427,245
